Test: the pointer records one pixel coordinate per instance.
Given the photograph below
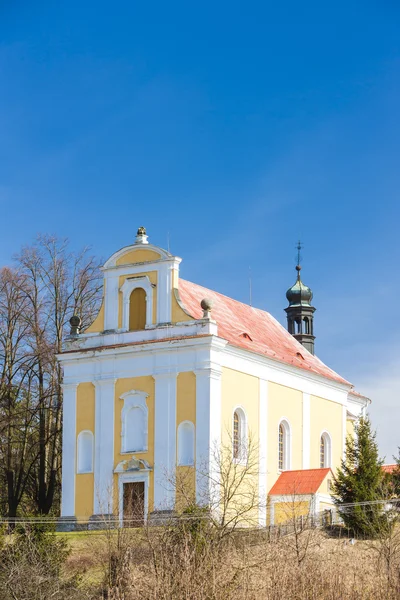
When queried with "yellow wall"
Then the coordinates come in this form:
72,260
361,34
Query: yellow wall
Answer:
185,411
239,389
325,415
152,275
84,482
138,256
98,324
145,384
350,428
283,402
287,511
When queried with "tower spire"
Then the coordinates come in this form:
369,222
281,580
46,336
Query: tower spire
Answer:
300,312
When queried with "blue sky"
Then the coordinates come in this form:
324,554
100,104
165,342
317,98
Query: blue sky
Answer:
235,127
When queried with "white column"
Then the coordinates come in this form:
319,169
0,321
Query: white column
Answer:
262,452
306,431
344,432
68,450
208,433
111,303
104,446
164,440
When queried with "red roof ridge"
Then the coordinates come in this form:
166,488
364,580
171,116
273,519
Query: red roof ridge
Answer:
267,336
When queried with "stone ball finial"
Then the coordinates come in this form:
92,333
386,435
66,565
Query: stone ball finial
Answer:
75,323
206,304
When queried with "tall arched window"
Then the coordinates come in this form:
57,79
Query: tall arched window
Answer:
137,309
134,418
186,444
135,430
284,446
85,452
325,451
239,434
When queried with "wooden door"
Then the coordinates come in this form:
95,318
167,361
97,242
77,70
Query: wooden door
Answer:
133,504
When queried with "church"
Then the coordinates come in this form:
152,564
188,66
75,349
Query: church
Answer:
170,371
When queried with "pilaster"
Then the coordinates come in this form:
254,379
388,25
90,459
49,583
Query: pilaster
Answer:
68,450
262,450
104,446
306,431
164,440
208,433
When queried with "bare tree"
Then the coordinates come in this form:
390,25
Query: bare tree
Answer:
48,284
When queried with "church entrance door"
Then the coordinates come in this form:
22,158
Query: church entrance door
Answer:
133,504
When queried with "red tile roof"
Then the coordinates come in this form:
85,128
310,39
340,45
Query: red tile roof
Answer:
252,329
389,468
304,481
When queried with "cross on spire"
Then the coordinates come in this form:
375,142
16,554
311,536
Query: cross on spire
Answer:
299,247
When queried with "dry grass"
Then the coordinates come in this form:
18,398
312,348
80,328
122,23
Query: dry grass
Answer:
155,565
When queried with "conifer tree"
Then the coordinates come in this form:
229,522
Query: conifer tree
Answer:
361,480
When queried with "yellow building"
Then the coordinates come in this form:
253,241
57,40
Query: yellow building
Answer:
169,372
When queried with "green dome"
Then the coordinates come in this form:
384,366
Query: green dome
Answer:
299,294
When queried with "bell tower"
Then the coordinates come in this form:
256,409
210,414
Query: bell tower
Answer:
300,312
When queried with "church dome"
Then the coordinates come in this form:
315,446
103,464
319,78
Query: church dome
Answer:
299,294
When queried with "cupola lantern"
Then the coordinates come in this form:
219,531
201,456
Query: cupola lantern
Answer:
300,312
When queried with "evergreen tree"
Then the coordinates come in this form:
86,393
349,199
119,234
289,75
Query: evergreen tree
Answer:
361,480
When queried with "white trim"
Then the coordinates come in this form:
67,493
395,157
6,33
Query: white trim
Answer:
104,445
130,284
68,450
131,477
344,431
112,261
328,449
193,429
287,444
134,399
208,433
306,431
164,439
262,452
78,472
243,434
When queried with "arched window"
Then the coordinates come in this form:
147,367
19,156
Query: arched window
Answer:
186,444
284,446
85,452
134,418
137,309
306,325
325,451
239,434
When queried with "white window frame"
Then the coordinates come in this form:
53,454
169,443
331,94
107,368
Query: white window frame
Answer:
180,426
328,449
78,471
130,284
287,444
243,434
134,399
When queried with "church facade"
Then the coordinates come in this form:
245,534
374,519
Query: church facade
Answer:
170,371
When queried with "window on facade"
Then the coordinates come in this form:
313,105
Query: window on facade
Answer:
137,310
85,452
239,435
186,444
325,451
283,446
135,430
236,435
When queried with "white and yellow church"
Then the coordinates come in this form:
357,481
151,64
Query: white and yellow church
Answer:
170,370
